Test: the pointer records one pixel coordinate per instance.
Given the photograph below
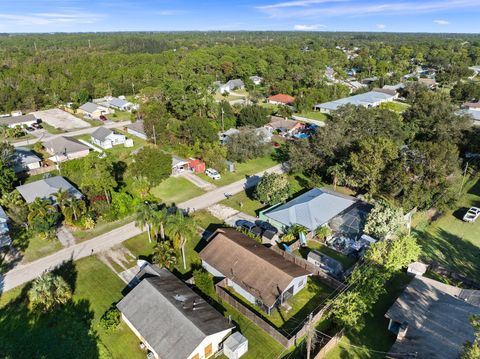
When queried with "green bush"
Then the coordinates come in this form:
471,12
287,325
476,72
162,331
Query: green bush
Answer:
204,282
110,319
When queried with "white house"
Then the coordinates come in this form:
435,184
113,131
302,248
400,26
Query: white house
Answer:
137,129
18,121
231,85
170,319
367,99
25,160
5,239
259,274
106,138
257,80
65,148
94,111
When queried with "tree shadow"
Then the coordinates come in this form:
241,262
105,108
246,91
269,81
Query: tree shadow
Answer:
64,331
460,212
68,271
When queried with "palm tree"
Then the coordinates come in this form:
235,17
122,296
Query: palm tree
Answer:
180,228
15,206
47,291
158,222
164,255
144,218
74,208
39,208
62,197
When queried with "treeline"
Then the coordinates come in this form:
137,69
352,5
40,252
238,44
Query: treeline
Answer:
38,71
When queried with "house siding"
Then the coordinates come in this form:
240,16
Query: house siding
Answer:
214,340
70,156
135,133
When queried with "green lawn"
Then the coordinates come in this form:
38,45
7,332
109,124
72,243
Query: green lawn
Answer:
72,329
394,106
120,116
313,115
140,246
302,305
248,168
51,129
451,241
347,262
176,190
242,202
374,334
100,228
204,219
39,247
40,176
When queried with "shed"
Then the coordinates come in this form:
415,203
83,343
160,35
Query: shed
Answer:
195,165
326,264
235,346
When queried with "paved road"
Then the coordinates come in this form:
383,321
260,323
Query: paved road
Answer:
69,134
217,195
26,272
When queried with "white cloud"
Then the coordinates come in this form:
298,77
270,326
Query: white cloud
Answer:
313,8
308,27
381,26
169,12
441,22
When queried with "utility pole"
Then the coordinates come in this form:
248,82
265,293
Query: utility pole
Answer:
89,44
223,124
133,88
463,178
35,45
154,136
309,335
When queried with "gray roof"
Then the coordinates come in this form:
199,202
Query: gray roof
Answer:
118,102
13,120
365,99
89,107
437,316
171,317
311,209
3,215
137,126
46,188
236,83
101,133
24,156
178,161
62,145
328,264
475,114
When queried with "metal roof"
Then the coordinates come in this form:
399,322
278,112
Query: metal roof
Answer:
311,209
118,102
171,317
366,99
46,188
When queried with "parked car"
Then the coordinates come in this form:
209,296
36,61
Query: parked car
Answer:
243,223
29,129
103,118
213,174
37,126
266,226
472,214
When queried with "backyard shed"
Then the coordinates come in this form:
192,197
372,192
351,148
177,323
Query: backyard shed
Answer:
235,346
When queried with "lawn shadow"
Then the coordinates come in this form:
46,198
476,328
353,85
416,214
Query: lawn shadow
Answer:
68,271
459,213
451,252
62,331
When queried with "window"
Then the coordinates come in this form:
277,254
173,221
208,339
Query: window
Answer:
208,350
300,284
196,356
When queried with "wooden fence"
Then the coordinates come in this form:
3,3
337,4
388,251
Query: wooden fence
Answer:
324,277
330,344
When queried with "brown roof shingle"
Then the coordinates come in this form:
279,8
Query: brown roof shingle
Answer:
260,271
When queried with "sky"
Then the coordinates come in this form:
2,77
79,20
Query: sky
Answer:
460,16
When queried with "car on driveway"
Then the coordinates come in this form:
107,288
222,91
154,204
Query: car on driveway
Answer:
243,223
213,174
266,226
472,214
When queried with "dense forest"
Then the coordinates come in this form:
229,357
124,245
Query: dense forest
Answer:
38,71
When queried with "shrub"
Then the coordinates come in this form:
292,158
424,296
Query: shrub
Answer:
110,319
204,282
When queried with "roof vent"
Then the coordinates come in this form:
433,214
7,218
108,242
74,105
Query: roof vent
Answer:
180,298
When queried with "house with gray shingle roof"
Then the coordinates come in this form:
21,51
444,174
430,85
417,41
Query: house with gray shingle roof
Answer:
171,319
230,86
65,148
25,160
94,110
46,188
137,129
106,138
18,121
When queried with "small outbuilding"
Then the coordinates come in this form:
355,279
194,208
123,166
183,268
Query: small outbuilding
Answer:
325,263
235,346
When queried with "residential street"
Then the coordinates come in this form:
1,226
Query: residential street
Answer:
26,272
69,134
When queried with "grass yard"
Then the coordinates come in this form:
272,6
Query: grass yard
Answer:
51,129
72,329
302,305
248,168
204,219
40,176
242,202
347,262
219,97
176,190
313,115
449,240
39,247
394,106
374,334
100,228
120,116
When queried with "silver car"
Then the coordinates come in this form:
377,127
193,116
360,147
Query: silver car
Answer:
472,214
